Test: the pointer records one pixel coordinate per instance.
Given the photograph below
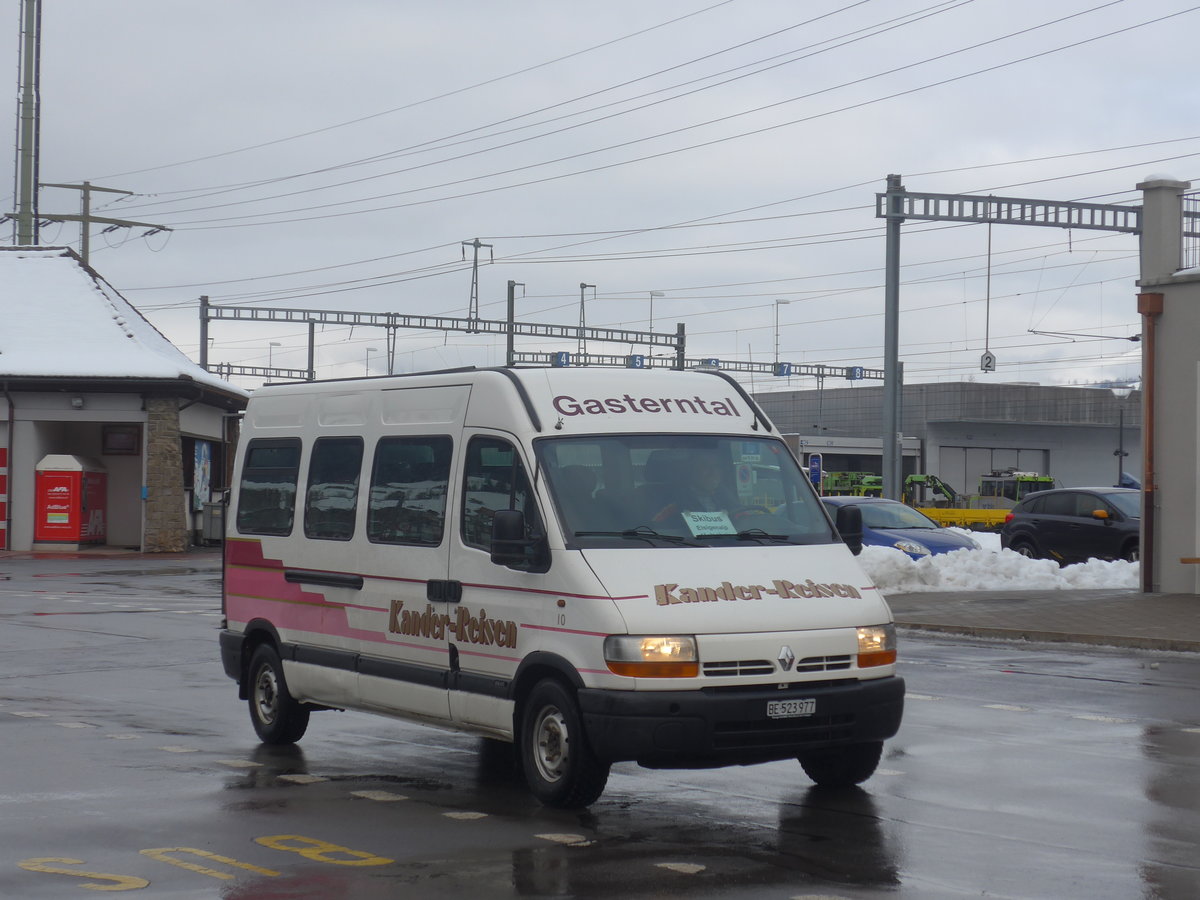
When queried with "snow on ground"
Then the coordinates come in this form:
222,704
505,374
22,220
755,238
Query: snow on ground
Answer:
989,569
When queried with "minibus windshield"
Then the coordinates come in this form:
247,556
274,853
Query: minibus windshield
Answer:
679,490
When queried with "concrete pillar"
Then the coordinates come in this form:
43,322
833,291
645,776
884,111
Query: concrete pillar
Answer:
1162,227
1171,388
165,526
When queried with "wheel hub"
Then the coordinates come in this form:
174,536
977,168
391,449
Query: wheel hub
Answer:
550,744
266,695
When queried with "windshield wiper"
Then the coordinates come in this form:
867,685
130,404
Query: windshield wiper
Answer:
642,532
750,534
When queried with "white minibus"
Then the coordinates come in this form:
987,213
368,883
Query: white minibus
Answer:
596,565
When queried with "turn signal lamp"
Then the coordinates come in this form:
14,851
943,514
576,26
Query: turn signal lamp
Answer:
652,656
876,646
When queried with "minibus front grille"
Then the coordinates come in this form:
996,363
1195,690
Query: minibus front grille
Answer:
735,668
783,732
823,663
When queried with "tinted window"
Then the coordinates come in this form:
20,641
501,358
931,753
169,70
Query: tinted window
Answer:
409,479
1065,504
267,494
1033,505
494,478
332,496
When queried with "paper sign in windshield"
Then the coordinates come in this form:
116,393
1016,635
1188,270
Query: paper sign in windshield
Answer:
713,522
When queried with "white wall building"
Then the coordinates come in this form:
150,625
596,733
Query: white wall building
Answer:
83,375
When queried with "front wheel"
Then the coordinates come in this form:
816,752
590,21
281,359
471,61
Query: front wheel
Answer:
845,766
559,765
1130,552
277,717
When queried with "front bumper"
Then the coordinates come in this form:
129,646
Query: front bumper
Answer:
231,653
715,727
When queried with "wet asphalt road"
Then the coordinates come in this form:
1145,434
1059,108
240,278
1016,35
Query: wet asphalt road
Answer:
127,765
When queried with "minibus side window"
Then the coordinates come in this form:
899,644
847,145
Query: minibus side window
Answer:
332,497
494,478
267,494
409,479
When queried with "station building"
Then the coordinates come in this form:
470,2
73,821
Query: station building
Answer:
961,431
109,434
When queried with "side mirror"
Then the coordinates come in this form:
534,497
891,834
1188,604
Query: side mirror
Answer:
1099,513
849,526
511,547
508,537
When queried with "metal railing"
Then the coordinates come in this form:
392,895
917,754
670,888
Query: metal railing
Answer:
1190,251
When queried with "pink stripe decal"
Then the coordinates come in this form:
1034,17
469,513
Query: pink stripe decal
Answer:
565,630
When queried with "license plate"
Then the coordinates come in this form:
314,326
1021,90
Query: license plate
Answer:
789,709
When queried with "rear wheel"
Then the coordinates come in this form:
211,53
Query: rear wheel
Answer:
559,765
838,767
1025,548
277,717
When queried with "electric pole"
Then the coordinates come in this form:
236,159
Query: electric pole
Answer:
473,309
582,348
85,217
28,124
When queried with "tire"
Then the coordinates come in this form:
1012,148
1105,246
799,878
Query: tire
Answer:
841,767
1025,548
277,718
1131,552
559,766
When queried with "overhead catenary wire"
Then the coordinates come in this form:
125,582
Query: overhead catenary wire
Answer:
415,103
437,143
238,221
721,241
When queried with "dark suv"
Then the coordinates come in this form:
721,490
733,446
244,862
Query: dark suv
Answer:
1076,524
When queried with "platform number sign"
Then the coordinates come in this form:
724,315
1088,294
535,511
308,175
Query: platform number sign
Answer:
987,362
561,359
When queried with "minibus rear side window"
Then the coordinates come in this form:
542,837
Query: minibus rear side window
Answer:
332,497
409,480
267,494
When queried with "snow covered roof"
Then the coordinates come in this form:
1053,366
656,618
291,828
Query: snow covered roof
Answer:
61,320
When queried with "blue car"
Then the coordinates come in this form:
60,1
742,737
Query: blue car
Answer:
888,523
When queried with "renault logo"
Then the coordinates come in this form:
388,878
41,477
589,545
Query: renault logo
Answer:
786,658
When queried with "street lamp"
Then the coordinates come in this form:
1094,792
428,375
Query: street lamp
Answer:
1120,393
582,348
653,294
271,352
778,303
370,350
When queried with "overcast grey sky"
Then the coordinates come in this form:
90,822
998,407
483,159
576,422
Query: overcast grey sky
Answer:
336,155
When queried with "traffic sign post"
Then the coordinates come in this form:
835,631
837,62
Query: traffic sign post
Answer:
814,470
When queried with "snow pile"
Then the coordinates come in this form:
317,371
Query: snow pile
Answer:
990,569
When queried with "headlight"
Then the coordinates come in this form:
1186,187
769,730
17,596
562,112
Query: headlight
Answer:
652,656
876,646
912,547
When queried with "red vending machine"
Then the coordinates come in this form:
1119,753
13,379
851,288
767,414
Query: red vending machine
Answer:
71,499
